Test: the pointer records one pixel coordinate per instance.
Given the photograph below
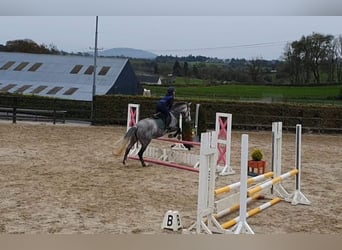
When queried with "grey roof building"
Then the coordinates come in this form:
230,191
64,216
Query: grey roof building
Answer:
66,77
149,79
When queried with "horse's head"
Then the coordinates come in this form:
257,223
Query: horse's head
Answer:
187,114
182,108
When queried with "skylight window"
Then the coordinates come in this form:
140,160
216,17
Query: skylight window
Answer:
8,87
7,65
70,91
22,89
54,90
89,70
21,66
104,71
35,66
38,89
76,69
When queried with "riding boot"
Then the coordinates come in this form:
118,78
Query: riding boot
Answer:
167,123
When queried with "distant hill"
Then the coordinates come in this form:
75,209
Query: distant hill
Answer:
128,52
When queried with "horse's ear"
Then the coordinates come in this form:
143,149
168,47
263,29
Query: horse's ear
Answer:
189,103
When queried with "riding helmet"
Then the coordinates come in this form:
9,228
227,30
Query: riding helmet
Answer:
170,90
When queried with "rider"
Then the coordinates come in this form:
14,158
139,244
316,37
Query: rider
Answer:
164,105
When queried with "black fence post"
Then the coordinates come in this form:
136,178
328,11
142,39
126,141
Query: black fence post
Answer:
14,113
54,111
93,111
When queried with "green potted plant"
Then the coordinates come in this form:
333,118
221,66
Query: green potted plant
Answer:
257,155
257,163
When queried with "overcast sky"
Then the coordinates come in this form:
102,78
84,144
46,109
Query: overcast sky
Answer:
216,28
171,7
215,36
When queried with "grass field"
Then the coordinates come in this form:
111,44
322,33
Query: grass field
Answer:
324,94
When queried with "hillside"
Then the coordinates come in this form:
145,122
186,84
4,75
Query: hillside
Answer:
128,52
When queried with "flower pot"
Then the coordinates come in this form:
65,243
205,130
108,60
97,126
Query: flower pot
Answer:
256,167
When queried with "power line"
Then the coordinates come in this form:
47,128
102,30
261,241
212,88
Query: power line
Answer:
253,45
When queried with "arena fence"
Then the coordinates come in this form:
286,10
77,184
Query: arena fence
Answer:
247,116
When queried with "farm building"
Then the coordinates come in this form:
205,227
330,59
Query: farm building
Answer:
149,79
66,77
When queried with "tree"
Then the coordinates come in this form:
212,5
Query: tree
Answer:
338,54
195,71
319,47
176,69
186,69
53,49
155,68
306,56
331,63
296,56
255,69
29,46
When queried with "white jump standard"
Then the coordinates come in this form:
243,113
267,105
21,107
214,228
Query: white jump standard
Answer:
223,128
132,115
208,210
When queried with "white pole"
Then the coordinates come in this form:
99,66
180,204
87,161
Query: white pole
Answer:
298,154
297,197
276,147
277,132
242,226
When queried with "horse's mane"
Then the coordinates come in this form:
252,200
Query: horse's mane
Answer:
177,104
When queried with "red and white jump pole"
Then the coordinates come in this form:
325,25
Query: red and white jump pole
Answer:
223,131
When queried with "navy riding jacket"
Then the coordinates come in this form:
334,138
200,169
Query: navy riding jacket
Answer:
167,101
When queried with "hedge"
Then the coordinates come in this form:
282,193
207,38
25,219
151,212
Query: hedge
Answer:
112,109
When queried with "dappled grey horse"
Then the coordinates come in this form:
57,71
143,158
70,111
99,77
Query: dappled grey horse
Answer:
151,128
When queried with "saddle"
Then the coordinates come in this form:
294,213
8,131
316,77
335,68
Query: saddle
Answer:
158,115
166,120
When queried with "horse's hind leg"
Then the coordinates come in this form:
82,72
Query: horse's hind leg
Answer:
140,154
129,147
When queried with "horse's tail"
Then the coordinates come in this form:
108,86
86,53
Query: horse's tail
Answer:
125,140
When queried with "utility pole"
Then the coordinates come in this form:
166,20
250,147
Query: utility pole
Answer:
92,118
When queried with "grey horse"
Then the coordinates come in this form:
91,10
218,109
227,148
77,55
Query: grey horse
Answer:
151,128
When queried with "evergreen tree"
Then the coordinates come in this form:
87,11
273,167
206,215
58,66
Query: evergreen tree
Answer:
176,69
186,69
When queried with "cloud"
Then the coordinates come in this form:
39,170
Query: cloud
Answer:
173,7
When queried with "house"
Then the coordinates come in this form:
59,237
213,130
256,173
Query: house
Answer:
149,79
66,77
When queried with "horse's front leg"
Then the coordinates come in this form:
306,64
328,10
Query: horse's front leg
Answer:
178,131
